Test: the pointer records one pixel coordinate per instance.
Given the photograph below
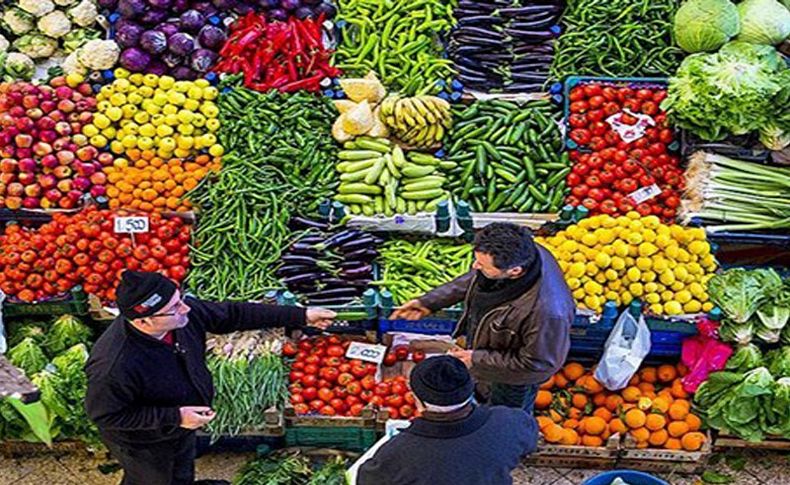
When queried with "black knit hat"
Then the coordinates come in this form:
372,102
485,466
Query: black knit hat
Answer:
142,294
442,381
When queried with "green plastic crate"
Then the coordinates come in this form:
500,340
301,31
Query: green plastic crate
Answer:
341,438
75,303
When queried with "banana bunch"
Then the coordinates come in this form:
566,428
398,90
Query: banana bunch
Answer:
418,121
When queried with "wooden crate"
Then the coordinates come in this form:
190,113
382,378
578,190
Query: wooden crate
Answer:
664,461
366,420
567,456
725,440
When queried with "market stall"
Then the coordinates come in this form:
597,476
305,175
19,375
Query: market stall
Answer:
343,154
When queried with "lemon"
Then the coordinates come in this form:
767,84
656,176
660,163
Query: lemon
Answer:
194,92
116,147
166,82
651,287
171,118
191,105
671,251
147,130
207,140
120,73
681,273
673,308
612,296
182,86
634,274
181,152
647,249
618,263
615,285
611,274
648,277
145,92
651,222
657,308
160,98
626,298
576,270
145,143
667,295
109,132
216,150
113,113
185,142
164,130
129,110
699,247
592,302
683,296
209,109
579,257
569,246
199,120
185,116
134,98
186,129
621,249
167,144
660,265
90,130
636,289
662,241
644,264
692,306
652,298
99,141
677,286
169,109
696,289
707,306
602,260
593,288
201,83
667,278
142,117
578,294
118,99
136,78
590,268
210,93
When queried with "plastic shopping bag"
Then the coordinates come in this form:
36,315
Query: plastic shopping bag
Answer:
626,347
703,354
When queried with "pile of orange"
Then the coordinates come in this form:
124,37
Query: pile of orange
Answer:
146,182
575,409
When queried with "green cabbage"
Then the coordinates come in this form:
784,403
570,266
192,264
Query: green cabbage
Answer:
705,25
763,22
746,358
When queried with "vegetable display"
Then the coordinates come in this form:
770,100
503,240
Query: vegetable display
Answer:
288,56
328,267
82,249
249,377
377,177
611,39
507,49
411,269
46,162
733,195
399,40
573,408
705,25
627,257
418,121
291,469
151,112
508,157
624,159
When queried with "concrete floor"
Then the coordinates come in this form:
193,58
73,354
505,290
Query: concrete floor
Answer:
750,468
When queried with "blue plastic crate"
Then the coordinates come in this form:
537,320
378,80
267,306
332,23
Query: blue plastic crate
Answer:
427,326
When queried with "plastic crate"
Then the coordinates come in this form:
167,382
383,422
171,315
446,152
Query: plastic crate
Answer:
75,303
348,439
427,326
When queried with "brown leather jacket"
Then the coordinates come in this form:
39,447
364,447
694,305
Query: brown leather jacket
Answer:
524,341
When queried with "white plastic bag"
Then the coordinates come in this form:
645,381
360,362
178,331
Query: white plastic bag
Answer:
626,347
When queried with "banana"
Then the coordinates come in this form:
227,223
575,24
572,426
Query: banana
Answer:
388,105
423,109
403,115
410,107
439,133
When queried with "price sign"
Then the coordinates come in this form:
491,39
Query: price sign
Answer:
366,352
131,225
645,193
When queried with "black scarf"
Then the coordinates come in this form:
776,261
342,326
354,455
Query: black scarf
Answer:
487,294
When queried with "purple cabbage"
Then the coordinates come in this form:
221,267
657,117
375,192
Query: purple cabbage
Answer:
224,5
202,59
211,37
153,41
290,5
131,8
168,29
191,21
134,59
157,67
172,60
154,16
327,9
243,9
180,5
161,4
311,3
278,14
127,34
181,44
206,8
183,73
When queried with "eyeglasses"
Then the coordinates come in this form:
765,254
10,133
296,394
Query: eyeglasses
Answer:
179,309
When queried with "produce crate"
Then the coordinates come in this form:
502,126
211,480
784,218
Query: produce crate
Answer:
74,303
479,220
339,432
440,323
725,440
664,461
568,456
746,147
633,82
431,223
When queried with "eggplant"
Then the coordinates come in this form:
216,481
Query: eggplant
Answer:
529,10
521,87
304,249
334,283
365,254
303,278
517,76
531,34
478,19
344,292
356,244
297,222
340,238
297,259
291,270
357,273
311,240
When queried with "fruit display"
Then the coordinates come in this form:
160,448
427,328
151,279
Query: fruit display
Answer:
83,249
151,112
623,157
378,177
573,408
46,162
618,259
417,121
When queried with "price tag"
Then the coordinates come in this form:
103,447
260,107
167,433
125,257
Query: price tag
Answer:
131,225
366,352
629,133
645,193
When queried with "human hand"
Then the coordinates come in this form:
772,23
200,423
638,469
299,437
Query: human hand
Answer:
411,310
194,417
464,356
320,317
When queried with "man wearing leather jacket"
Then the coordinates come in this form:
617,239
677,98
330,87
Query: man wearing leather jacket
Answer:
517,315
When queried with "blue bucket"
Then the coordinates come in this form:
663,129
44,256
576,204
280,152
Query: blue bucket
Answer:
631,477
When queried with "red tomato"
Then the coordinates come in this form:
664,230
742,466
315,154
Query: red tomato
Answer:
335,351
394,400
305,345
289,349
297,399
309,368
596,115
359,371
401,352
390,359
325,394
580,136
309,380
644,94
377,400
316,404
354,388
609,93
310,393
351,400
329,373
368,382
590,204
409,398
406,411
344,367
399,388
382,389
579,107
577,94
313,359
366,395
356,409
649,108
301,408
328,411
333,362
345,378
295,376
577,120
591,90
418,356
393,413
338,405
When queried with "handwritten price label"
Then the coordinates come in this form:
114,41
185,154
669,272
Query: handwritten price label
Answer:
131,225
366,352
645,193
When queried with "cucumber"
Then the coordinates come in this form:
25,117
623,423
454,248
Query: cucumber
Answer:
375,172
424,185
357,154
359,188
415,171
354,198
348,167
422,195
366,144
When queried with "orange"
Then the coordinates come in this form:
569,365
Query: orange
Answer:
677,429
555,416
613,401
603,413
667,373
546,385
573,371
588,440
599,399
594,425
677,389
592,386
658,438
640,434
559,379
648,375
646,387
571,424
635,418
569,437
617,426
683,370
575,413
661,404
634,380
543,421
579,401
543,399
692,441
694,422
631,394
655,422
553,433
678,411
673,444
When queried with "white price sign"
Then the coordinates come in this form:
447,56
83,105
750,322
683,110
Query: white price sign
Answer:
645,193
131,225
366,352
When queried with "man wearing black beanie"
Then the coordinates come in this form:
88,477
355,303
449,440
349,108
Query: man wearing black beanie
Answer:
148,385
518,312
454,442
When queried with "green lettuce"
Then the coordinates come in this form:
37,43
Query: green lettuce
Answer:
746,408
66,332
28,356
780,409
739,292
746,358
778,361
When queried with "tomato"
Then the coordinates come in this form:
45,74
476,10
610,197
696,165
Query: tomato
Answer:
329,373
657,149
352,399
377,400
141,252
579,107
644,209
577,94
310,393
359,371
63,266
577,120
625,93
596,115
356,409
150,265
644,94
289,349
366,395
371,368
393,413
326,394
335,351
672,202
608,207
611,108
406,411
314,359
590,204
399,388
344,379
580,191
409,398
598,128
591,90
344,367
581,168
649,108
338,405
390,359
668,214
659,96
580,136
418,356
382,389
298,366
368,382
323,383
596,101
394,400
301,408
597,143
609,93
309,380
297,399
628,185
295,376
316,404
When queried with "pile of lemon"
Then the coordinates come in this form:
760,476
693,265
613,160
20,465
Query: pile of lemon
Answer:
156,113
633,257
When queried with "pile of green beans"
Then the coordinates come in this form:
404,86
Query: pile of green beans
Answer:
242,231
509,157
619,38
410,269
398,39
289,131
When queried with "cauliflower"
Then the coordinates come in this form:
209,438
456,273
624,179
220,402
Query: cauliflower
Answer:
99,54
18,21
64,3
36,45
54,24
74,39
19,66
37,7
3,43
72,65
84,14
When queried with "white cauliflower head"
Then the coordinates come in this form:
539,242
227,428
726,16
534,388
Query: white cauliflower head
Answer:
72,65
65,3
54,24
19,21
85,13
99,54
19,66
3,43
37,7
36,46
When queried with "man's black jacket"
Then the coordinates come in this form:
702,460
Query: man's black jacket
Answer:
136,383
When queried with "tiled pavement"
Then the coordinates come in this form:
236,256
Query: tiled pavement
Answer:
746,467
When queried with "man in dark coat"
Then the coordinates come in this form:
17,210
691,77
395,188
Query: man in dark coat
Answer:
518,312
454,442
148,385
